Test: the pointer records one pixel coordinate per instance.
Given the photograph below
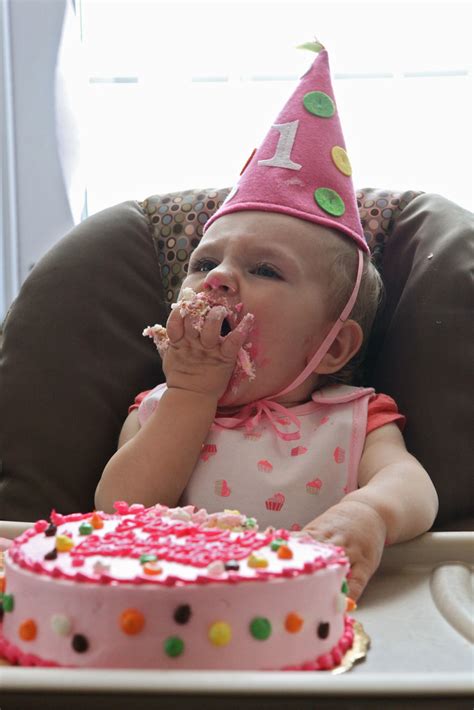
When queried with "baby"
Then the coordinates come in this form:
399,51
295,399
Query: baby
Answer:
285,275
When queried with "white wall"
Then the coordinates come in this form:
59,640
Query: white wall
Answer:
9,272
181,91
36,167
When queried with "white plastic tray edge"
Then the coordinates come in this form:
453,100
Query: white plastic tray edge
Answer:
234,682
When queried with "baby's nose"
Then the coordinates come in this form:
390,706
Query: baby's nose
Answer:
220,280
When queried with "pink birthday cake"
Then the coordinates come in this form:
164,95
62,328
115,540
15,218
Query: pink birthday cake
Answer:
174,588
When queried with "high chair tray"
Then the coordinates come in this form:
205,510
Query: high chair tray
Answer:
417,611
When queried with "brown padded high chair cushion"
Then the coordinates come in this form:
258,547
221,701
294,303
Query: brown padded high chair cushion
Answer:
423,349
73,356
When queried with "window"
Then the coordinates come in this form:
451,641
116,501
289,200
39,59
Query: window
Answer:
181,92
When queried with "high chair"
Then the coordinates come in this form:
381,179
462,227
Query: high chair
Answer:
73,356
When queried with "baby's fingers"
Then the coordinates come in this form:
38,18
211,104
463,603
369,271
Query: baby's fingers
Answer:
175,326
360,575
237,337
211,330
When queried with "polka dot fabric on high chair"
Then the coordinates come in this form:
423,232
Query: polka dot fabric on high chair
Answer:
176,222
378,210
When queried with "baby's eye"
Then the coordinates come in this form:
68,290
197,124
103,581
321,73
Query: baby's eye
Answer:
267,271
202,265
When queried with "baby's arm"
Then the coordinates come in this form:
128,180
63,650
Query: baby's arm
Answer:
154,463
131,426
395,501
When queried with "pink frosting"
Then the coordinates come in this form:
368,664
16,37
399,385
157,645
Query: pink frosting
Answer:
197,306
161,536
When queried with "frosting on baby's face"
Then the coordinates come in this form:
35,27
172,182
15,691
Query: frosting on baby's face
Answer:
197,306
271,264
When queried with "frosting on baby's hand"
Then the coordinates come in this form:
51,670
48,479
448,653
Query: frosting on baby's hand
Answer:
197,307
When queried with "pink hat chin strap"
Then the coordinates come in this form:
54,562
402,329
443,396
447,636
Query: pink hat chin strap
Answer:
330,337
250,415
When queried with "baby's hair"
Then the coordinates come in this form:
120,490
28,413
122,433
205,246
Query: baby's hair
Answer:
341,268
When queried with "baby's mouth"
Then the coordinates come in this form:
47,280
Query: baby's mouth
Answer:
225,328
233,316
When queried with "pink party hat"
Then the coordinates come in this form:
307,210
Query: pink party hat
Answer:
302,168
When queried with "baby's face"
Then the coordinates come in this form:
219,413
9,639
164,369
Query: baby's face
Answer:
271,264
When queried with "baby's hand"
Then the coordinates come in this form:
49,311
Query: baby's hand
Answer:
202,360
360,530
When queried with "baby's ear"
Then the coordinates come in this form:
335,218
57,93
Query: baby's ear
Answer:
347,343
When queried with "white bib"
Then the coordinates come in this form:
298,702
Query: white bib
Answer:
285,484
